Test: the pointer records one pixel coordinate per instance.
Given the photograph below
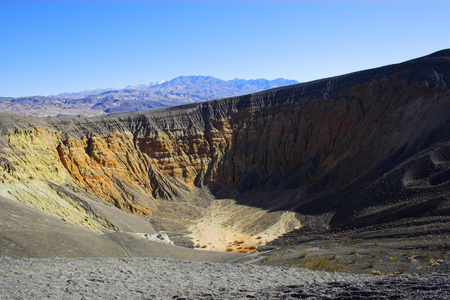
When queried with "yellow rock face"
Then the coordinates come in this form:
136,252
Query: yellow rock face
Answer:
35,162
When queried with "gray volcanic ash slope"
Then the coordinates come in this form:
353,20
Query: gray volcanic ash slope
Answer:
350,152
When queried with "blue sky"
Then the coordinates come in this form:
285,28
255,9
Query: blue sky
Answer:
47,47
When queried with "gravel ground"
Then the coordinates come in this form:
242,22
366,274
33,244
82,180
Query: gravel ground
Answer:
155,278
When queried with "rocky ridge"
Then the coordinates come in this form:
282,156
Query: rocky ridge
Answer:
344,152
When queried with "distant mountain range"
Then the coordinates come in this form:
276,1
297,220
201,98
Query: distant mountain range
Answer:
96,102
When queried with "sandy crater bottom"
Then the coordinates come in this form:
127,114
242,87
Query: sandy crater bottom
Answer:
228,226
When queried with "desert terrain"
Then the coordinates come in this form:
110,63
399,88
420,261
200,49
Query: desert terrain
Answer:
336,188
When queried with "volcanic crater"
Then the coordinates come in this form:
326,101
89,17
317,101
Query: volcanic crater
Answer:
358,156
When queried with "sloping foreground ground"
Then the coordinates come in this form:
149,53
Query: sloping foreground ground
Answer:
148,278
27,232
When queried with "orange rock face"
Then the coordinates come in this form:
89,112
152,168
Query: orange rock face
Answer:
111,168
